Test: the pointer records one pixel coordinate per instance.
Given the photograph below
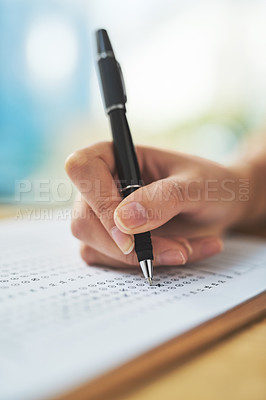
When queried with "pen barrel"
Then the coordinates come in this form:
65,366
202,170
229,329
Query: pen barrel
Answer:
128,173
124,151
111,82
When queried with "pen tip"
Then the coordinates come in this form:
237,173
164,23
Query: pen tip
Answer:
149,281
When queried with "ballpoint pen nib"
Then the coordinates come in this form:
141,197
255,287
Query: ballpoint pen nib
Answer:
147,269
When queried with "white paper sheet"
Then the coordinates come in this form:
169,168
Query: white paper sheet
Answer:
63,323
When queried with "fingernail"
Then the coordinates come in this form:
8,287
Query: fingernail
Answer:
187,245
131,215
171,257
211,246
124,242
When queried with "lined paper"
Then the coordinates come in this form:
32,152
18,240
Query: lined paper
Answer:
64,322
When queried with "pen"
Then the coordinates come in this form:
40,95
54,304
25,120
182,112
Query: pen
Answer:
114,98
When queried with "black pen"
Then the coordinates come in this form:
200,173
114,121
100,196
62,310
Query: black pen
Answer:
114,96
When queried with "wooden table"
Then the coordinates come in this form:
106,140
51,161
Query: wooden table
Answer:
235,368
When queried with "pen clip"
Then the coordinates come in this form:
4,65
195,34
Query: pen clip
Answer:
122,81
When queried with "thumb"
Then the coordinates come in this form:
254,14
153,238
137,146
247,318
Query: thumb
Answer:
151,206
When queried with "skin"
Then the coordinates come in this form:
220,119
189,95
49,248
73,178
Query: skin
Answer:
187,204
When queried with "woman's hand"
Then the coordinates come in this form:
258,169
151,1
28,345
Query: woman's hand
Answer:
186,204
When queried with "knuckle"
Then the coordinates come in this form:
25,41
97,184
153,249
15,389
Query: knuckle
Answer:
103,149
76,227
72,162
87,254
79,228
79,215
104,207
77,160
104,152
176,193
83,251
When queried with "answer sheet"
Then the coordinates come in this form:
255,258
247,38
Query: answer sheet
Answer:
63,323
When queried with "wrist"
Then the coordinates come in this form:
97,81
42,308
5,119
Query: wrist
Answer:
251,191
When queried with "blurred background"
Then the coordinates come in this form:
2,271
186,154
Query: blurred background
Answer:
194,72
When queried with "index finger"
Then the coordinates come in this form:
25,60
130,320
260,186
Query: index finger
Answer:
91,170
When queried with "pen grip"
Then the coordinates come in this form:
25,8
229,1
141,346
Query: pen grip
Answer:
143,246
143,243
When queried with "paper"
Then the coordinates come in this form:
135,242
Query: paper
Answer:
63,322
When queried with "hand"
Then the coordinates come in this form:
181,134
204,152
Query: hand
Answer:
187,203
